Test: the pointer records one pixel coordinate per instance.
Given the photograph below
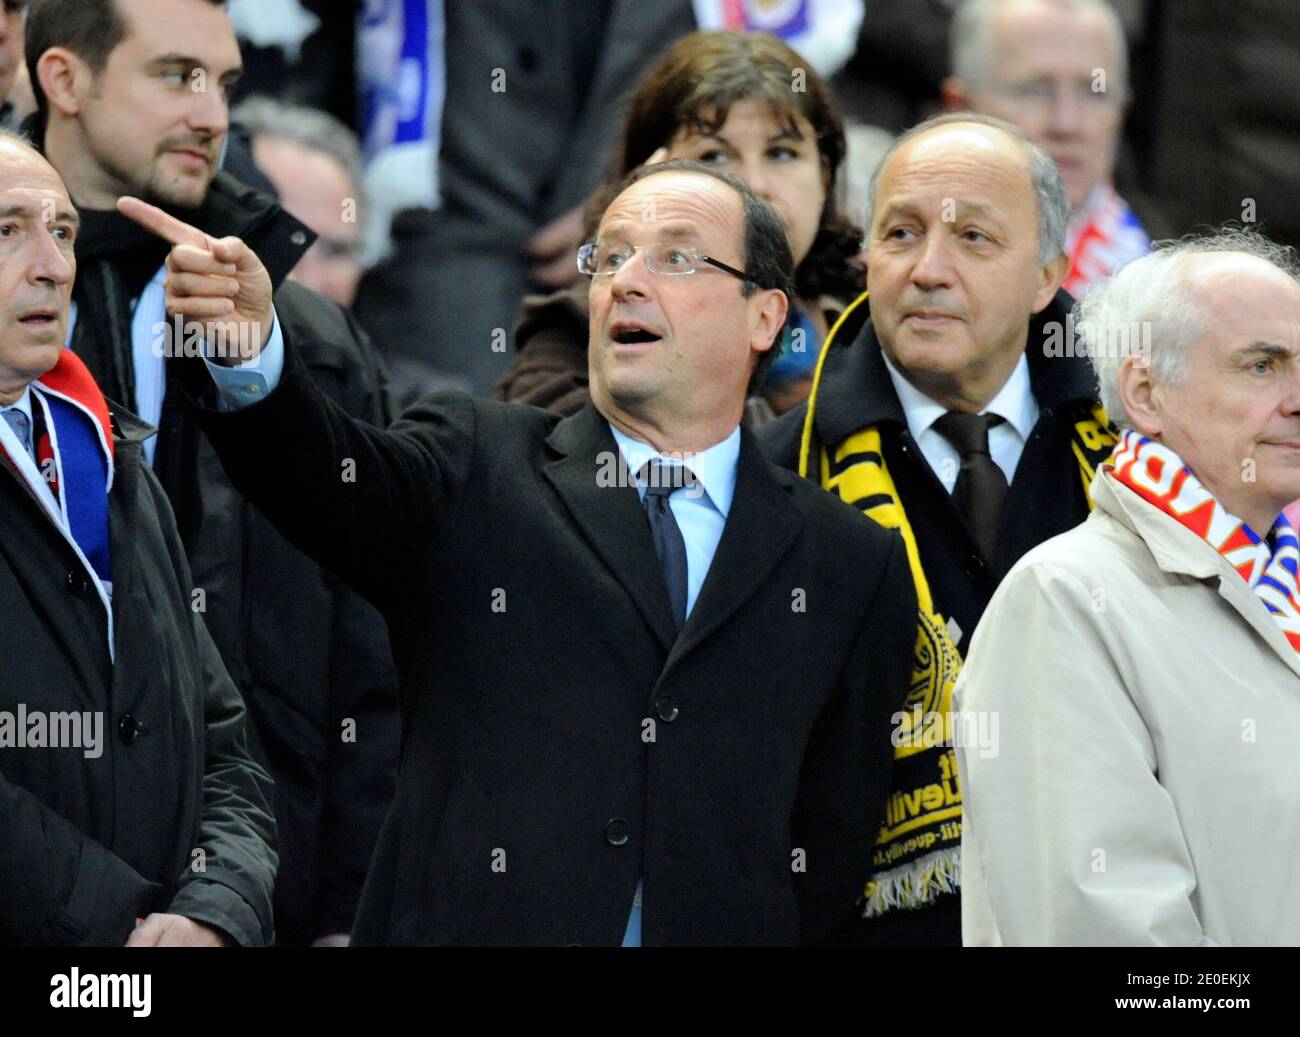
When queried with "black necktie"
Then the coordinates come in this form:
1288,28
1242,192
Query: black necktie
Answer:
981,486
661,481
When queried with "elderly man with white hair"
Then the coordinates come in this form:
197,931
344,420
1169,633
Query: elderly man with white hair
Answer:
1057,69
1145,666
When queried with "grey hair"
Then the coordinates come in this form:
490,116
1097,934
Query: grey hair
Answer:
972,44
1156,291
307,127
1049,189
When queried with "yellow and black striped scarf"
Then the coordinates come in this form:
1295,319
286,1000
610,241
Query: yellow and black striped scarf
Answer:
917,853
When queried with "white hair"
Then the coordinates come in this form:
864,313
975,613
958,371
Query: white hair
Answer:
972,41
1049,189
309,128
1156,292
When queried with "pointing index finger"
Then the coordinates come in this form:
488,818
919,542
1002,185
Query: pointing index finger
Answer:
165,226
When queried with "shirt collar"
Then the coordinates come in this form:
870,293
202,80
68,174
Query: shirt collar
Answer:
23,403
714,468
1014,402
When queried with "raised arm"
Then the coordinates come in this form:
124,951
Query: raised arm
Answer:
365,502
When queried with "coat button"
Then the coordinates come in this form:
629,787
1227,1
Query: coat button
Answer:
128,729
616,832
78,585
666,709
975,567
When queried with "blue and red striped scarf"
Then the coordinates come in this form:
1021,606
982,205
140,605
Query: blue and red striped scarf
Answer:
1157,475
74,459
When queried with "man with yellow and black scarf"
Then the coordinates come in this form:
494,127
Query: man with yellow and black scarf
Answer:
951,402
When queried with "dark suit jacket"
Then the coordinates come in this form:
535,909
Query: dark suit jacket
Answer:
1045,498
558,744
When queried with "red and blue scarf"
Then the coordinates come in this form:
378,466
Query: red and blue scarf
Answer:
1157,475
74,454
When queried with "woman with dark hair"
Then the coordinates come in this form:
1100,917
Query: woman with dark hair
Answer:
747,104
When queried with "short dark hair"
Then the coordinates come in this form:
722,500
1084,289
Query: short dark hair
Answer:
91,29
769,264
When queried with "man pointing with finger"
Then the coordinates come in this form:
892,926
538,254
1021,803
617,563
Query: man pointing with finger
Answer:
647,678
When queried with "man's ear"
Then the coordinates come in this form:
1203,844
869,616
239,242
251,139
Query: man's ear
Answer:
1051,277
65,77
1137,394
956,98
772,307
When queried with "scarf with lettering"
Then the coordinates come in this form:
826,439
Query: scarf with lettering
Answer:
1157,475
917,855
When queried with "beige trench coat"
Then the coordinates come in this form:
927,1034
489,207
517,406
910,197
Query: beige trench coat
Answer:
1145,787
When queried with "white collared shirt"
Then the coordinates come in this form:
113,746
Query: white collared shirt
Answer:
23,403
1014,403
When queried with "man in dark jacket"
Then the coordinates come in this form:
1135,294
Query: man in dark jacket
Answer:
960,414
532,105
637,710
127,789
132,96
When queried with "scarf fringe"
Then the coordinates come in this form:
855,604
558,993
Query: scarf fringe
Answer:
914,885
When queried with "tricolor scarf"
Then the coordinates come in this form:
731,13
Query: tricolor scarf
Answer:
918,851
1103,236
73,471
1157,475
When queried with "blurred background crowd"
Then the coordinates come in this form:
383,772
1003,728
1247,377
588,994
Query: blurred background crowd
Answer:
443,150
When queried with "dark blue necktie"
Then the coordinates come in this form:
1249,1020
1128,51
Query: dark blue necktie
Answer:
662,480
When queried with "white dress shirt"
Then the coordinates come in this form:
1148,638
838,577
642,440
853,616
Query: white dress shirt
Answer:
1014,403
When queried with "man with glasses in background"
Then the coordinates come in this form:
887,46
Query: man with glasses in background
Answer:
1057,69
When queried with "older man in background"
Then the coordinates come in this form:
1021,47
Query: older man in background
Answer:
1058,69
1145,665
314,161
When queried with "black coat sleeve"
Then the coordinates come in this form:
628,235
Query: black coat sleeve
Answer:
845,778
364,502
60,886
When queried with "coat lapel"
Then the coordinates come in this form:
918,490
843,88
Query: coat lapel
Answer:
761,526
594,484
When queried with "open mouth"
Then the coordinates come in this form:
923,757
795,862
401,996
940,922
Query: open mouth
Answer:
632,334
